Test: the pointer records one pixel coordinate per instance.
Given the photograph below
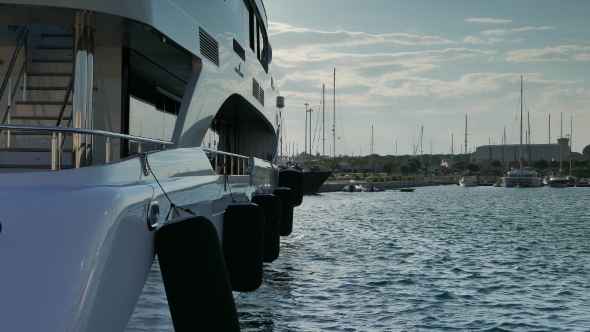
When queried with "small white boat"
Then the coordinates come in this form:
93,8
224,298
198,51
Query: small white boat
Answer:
467,181
351,187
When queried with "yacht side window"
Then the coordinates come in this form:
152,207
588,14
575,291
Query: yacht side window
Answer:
258,39
155,118
246,22
251,25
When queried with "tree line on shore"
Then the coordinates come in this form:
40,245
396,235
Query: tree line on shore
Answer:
407,164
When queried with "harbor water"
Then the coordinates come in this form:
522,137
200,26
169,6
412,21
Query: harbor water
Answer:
441,258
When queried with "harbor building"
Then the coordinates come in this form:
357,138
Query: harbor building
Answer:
504,153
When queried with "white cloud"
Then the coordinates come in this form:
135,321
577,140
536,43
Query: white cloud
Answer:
468,84
488,20
477,40
494,40
575,101
347,38
557,53
502,32
473,40
522,29
496,32
582,57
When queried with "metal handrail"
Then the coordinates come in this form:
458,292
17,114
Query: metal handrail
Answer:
11,66
65,102
225,153
241,169
22,70
68,130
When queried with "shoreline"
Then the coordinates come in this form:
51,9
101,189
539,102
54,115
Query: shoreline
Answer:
334,186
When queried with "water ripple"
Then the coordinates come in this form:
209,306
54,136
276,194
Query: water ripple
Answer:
441,259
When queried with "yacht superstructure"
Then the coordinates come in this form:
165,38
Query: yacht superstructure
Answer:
114,108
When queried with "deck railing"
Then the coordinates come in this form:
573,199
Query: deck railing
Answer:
56,147
228,163
221,161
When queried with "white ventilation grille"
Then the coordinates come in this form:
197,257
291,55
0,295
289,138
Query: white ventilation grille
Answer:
257,92
209,47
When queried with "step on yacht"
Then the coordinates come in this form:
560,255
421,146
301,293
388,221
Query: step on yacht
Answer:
112,112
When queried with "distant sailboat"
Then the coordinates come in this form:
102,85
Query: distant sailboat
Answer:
520,178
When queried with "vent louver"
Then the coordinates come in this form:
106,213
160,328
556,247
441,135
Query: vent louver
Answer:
209,46
257,91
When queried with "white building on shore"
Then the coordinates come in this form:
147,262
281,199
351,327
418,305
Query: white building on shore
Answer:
505,153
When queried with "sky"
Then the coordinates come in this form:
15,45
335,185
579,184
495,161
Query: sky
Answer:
401,65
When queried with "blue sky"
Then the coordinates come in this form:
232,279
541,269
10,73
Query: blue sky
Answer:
401,65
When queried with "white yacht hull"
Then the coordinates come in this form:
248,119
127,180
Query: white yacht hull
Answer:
75,247
520,182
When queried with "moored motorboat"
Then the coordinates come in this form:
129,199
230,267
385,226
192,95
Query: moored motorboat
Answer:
571,181
557,180
467,181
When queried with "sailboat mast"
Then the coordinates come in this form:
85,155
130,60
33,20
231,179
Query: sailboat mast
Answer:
530,153
503,146
549,129
334,126
371,150
431,151
571,140
465,143
323,120
421,137
520,150
452,147
561,140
